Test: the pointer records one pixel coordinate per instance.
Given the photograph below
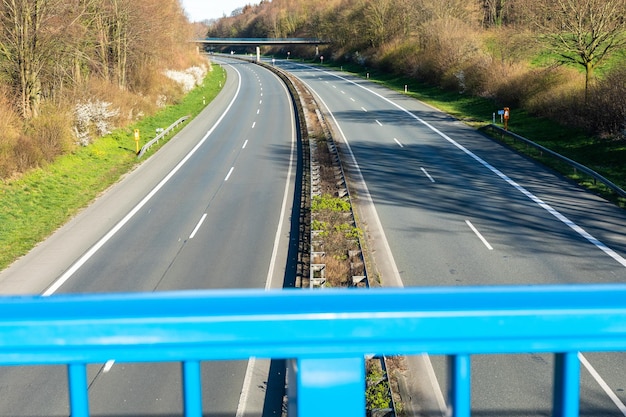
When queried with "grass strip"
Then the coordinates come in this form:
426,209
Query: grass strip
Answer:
42,200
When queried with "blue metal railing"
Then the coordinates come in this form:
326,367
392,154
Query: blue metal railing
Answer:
326,333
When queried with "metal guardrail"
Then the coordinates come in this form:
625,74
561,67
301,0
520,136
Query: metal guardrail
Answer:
577,167
327,335
161,135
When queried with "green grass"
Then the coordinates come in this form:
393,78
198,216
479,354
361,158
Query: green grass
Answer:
603,156
42,200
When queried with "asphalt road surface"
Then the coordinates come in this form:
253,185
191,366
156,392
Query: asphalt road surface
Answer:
211,209
451,207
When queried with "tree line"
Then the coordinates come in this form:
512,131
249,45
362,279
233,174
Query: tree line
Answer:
57,53
550,57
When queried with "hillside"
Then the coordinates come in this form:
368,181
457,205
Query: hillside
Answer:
72,70
563,60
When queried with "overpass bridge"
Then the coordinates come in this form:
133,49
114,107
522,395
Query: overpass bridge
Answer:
258,42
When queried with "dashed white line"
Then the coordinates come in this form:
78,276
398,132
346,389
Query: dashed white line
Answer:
379,123
471,226
229,172
364,109
253,124
258,111
260,101
352,99
195,230
398,142
245,144
428,175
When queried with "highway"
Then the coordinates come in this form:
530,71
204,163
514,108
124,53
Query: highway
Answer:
211,209
446,206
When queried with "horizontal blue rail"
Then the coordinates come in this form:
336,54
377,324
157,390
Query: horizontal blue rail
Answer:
326,333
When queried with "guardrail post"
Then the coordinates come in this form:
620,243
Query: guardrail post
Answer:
77,384
566,385
334,386
459,394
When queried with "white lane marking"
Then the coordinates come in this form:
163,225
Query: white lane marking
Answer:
95,248
245,144
471,226
260,101
428,175
245,389
108,365
582,232
258,111
195,230
352,99
398,142
364,109
229,172
253,124
379,123
605,387
343,92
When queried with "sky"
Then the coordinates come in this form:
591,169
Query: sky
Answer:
199,10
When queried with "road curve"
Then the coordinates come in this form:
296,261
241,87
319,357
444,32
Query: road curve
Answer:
210,210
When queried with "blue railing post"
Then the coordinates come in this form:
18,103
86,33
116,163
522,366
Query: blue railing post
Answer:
334,386
459,395
566,385
79,396
192,389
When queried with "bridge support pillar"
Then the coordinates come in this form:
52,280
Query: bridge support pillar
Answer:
258,54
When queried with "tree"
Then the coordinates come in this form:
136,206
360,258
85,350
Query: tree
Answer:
25,47
583,32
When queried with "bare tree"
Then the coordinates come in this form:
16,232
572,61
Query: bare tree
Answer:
25,48
583,32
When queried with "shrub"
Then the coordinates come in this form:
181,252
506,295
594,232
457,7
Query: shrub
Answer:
327,202
51,133
606,106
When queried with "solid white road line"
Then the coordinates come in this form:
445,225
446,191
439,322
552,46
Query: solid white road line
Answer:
471,226
195,230
605,387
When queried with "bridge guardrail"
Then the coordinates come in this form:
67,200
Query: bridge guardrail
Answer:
326,335
577,167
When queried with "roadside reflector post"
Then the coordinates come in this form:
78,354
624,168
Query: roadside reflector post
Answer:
137,141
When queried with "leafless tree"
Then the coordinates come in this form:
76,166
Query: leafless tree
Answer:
583,32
